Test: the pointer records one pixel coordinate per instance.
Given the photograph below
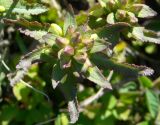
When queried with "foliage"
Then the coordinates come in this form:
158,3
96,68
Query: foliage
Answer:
71,52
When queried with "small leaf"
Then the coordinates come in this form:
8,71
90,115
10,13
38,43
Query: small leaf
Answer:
95,75
96,11
143,11
145,82
152,102
69,20
99,45
81,18
49,38
111,18
144,35
95,22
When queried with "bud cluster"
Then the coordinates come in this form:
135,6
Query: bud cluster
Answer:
122,11
73,46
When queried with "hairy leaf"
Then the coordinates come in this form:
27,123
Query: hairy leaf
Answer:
21,9
143,11
123,68
144,35
152,102
26,24
99,45
30,11
95,75
73,110
112,32
69,90
49,38
37,35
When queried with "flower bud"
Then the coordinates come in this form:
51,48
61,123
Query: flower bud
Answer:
69,50
132,18
111,4
120,14
55,29
76,38
123,2
64,64
61,42
88,42
81,58
94,36
70,30
2,8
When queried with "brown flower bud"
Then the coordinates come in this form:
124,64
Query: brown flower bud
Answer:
120,14
61,42
76,38
70,30
81,58
69,50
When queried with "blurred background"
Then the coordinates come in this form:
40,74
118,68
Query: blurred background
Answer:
132,102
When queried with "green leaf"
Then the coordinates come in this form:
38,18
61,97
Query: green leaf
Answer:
127,69
81,18
37,35
21,92
96,11
157,121
49,38
58,75
26,24
95,75
145,82
21,9
69,20
30,11
129,97
61,120
69,90
143,11
112,32
99,45
144,35
111,18
152,102
102,2
144,123
35,55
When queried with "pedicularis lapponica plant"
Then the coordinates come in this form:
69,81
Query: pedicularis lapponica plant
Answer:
83,52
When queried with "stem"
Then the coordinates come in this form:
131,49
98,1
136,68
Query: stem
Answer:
28,85
99,94
15,2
